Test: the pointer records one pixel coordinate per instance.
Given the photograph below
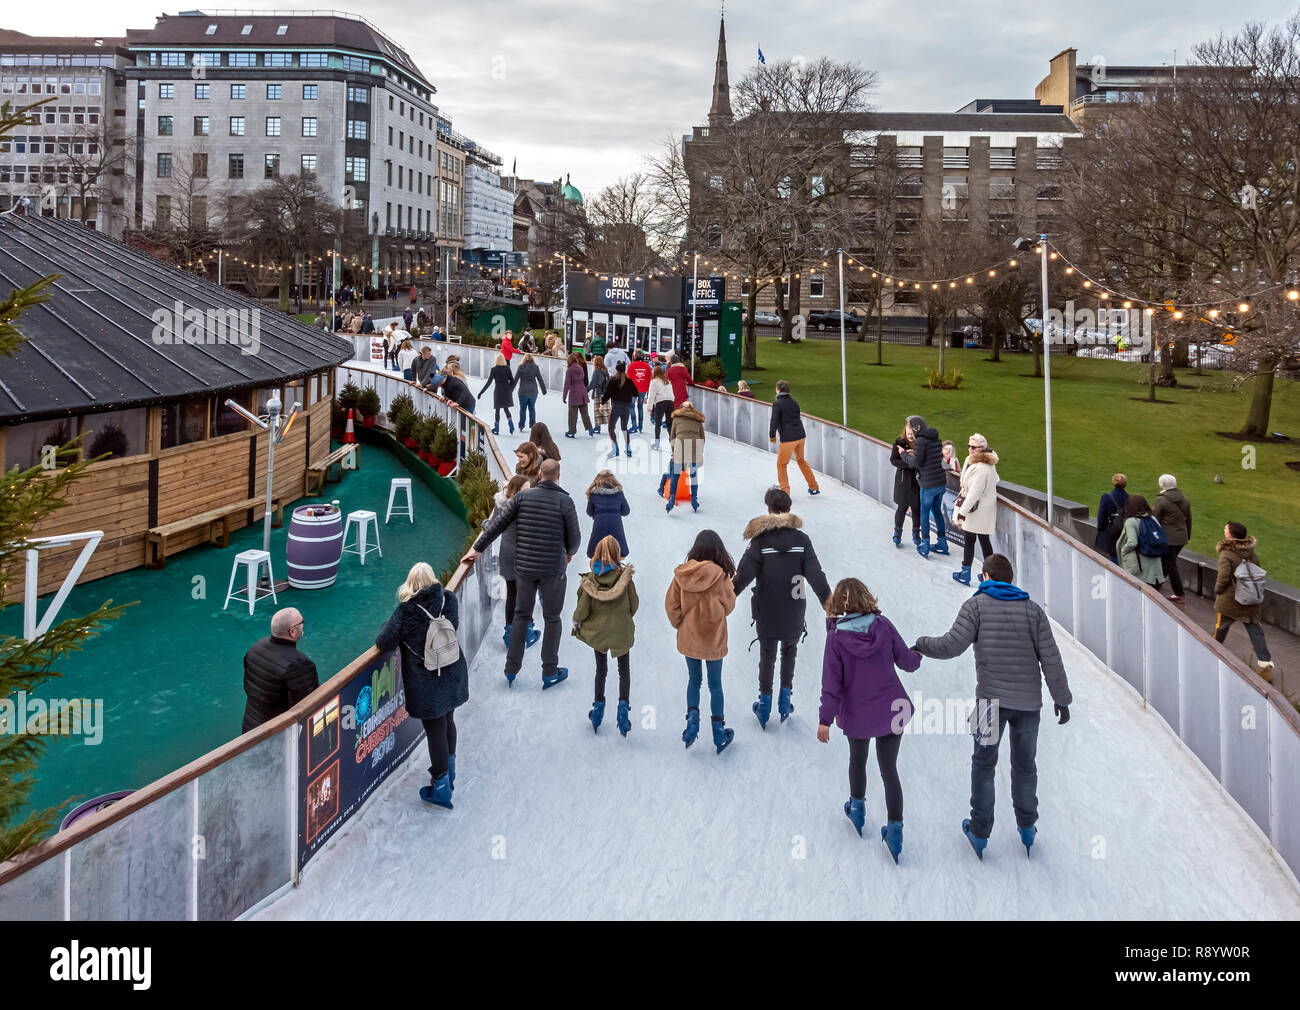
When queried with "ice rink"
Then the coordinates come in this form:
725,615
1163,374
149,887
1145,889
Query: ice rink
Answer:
553,821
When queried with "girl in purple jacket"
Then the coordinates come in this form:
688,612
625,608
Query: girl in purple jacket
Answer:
861,691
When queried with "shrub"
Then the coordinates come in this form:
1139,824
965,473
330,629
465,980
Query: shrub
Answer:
402,404
707,369
368,402
404,424
445,444
425,431
946,380
349,395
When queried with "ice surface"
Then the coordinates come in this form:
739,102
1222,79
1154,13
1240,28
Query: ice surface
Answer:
552,821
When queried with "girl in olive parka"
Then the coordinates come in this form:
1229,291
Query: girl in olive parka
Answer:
607,602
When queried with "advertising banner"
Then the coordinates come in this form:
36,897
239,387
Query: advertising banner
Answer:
704,293
347,747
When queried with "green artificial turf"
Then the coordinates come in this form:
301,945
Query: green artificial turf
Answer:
1098,428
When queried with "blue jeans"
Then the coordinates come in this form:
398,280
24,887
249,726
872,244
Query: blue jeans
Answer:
640,410
1024,772
694,669
932,504
527,410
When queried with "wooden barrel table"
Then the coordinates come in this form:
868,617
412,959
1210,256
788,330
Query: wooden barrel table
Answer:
315,546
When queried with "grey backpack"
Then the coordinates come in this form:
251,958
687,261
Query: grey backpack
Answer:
1249,588
441,647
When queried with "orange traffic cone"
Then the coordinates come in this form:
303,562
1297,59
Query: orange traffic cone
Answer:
349,434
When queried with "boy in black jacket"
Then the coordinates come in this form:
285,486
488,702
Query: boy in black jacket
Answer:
779,558
787,423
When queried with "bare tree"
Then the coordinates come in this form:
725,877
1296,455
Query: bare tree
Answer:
625,237
92,159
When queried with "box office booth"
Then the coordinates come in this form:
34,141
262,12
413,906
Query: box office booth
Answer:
641,312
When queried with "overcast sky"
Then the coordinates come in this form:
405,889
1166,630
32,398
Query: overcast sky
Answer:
589,87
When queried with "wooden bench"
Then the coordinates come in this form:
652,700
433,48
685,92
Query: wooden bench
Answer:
155,541
313,482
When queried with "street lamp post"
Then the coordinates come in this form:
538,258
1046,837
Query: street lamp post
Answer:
695,288
275,435
1025,245
844,380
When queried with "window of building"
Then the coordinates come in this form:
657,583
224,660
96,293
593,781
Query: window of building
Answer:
313,60
354,169
243,60
199,164
400,170
173,59
309,92
817,186
164,166
120,433
816,285
278,60
357,129
1002,188
715,235
199,208
210,30
237,126
715,182
162,214
246,30
238,91
274,91
282,30
783,188
390,136
272,166
236,166
309,126
273,126
356,63
164,126
167,91
309,164
1049,189
202,91
201,126
356,94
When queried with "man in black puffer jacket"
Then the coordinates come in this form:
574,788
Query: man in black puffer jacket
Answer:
926,458
778,560
546,538
276,675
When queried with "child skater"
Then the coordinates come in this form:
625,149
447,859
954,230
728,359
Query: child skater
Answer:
606,506
607,602
861,691
698,601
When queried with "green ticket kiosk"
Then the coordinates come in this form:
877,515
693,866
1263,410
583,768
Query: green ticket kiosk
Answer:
731,341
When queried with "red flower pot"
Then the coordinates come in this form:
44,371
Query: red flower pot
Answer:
369,422
426,457
410,443
445,467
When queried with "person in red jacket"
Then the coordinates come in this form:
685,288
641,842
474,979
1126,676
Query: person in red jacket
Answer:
639,372
507,346
680,377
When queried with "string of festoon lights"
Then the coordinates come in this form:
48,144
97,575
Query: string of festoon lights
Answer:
1209,310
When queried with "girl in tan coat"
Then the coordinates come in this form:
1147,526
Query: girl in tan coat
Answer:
699,599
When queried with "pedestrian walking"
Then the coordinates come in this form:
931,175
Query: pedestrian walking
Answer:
1110,508
1142,542
1174,513
1238,593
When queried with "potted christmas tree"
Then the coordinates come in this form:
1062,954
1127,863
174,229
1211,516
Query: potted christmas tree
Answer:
444,450
426,436
368,404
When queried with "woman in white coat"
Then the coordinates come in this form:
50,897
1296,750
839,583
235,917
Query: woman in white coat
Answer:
976,508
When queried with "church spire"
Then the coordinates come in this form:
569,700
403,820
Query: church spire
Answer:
720,110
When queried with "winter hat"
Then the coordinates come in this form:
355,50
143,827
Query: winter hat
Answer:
978,440
916,422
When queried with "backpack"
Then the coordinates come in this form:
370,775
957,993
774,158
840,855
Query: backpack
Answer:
441,647
1152,541
1249,584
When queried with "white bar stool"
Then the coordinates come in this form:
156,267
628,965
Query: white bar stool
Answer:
252,562
400,484
362,520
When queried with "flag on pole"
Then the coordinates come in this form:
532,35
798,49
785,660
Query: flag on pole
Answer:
760,56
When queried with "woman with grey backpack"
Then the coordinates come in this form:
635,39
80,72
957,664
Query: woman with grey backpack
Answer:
1238,593
435,676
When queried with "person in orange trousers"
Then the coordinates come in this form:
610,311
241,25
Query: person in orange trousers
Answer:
787,423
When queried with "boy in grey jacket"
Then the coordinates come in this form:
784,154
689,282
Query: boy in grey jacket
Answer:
1013,643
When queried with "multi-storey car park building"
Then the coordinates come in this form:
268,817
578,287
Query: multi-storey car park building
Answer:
69,160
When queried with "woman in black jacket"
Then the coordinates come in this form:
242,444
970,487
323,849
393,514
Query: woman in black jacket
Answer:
620,391
502,395
907,492
432,696
453,388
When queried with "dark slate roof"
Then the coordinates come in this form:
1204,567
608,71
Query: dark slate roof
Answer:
89,347
190,29
945,122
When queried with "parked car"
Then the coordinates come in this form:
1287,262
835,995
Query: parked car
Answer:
830,319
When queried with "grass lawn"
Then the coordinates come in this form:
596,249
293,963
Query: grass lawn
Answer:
1097,428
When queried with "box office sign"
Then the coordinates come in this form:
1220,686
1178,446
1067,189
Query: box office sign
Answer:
347,747
703,292
621,289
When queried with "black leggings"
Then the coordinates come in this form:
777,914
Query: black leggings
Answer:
968,547
661,415
900,513
767,662
624,675
510,601
887,758
496,415
619,411
440,734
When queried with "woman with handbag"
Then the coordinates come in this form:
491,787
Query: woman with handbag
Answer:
976,509
432,695
596,387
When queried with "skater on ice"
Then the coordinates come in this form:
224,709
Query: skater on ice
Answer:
575,395
606,507
659,399
603,619
620,395
907,492
686,433
926,458
861,693
781,562
786,425
698,600
1014,652
506,552
502,381
975,512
